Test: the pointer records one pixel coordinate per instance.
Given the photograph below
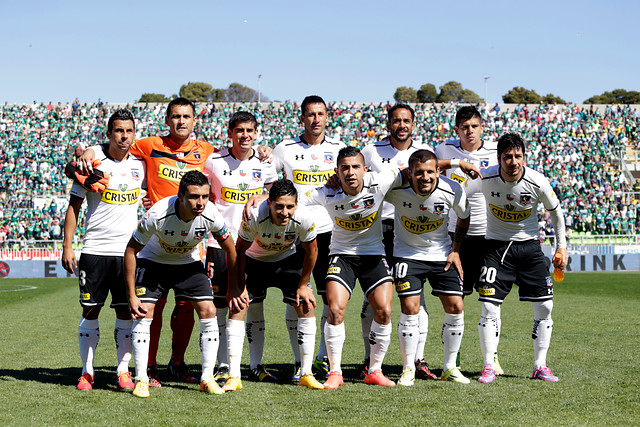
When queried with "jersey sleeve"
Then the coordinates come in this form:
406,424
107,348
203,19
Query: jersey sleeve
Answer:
147,226
308,231
389,179
278,157
313,197
473,186
548,196
270,173
247,230
460,202
139,148
218,228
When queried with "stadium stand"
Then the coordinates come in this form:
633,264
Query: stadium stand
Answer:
580,148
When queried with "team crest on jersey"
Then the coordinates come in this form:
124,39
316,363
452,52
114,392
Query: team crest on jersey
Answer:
289,237
256,175
484,163
509,197
525,199
181,165
199,233
243,186
196,154
354,205
549,281
438,208
369,203
135,175
328,158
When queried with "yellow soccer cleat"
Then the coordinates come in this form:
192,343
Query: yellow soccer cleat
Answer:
232,384
210,386
142,388
309,381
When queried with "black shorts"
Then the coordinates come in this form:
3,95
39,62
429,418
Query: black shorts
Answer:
284,275
370,270
410,275
471,254
506,263
188,281
217,268
99,275
322,262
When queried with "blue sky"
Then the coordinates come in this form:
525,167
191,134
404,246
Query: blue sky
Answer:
341,50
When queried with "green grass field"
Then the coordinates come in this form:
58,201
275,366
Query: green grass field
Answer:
593,350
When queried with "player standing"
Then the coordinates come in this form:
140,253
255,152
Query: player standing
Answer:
393,153
236,174
308,161
469,148
267,257
166,242
512,192
356,252
423,250
111,218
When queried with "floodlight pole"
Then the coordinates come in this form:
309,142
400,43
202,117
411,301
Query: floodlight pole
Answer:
486,101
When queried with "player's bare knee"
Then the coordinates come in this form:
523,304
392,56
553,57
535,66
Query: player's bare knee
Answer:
453,305
205,309
382,315
410,305
336,314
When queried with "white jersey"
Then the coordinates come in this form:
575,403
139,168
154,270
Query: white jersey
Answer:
485,156
381,156
112,215
511,207
308,167
170,240
233,182
420,223
357,228
272,242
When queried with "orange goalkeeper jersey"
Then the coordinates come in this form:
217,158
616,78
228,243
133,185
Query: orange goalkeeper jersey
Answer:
167,162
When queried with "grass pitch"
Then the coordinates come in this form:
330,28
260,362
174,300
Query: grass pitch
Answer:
593,350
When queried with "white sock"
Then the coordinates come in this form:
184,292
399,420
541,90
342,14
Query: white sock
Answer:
452,330
291,317
488,331
379,337
255,333
334,337
408,334
235,342
541,334
140,335
88,338
322,348
307,341
366,317
122,335
221,314
423,326
208,346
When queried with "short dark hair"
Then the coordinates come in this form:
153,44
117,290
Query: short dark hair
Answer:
192,178
282,187
242,117
348,151
422,156
466,113
120,114
311,99
510,140
180,101
401,106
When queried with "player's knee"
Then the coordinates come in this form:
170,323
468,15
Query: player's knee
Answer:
410,305
382,315
206,311
336,314
453,305
91,313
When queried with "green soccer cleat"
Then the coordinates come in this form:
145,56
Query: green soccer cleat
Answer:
454,375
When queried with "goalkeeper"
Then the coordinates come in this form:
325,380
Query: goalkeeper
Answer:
112,205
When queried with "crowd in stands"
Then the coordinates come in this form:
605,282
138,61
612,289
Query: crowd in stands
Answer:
578,148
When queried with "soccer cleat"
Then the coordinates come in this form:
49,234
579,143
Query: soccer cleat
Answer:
455,376
124,381
487,375
365,369
85,382
408,377
377,378
297,373
544,373
496,365
423,372
181,372
222,374
141,389
232,384
260,374
334,381
321,367
210,386
309,381
154,379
